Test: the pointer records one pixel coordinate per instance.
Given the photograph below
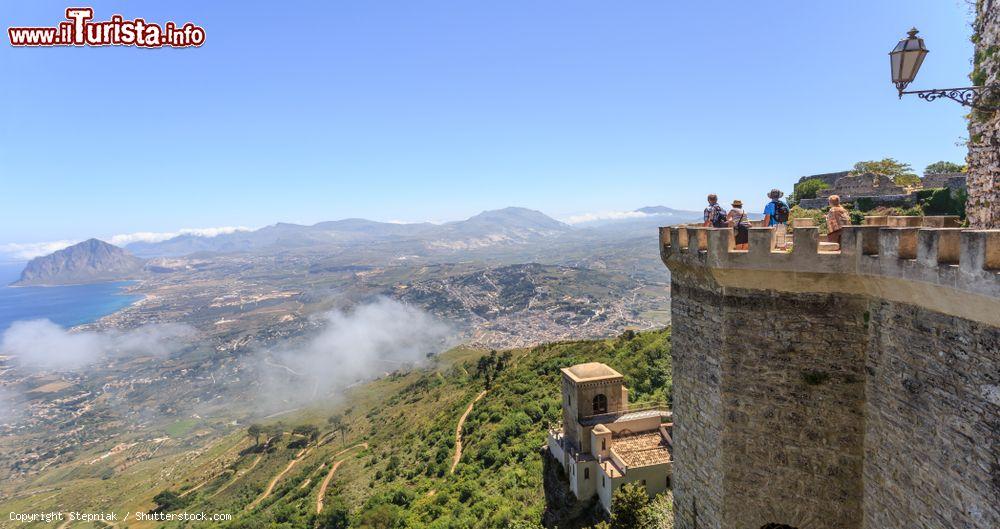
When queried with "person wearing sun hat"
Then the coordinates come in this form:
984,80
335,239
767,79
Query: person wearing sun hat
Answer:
776,215
740,223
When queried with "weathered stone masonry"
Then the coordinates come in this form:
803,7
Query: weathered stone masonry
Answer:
983,208
849,389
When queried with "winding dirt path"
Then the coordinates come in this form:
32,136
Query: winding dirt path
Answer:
209,480
196,487
237,476
274,481
458,431
329,476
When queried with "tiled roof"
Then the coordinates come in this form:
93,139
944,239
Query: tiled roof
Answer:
641,449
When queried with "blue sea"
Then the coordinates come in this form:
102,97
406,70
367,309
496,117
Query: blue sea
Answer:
66,306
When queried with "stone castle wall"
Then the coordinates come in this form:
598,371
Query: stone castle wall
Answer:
953,181
983,206
863,185
849,389
793,392
880,190
763,439
829,178
931,419
698,398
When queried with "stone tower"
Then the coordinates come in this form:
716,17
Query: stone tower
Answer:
590,389
856,388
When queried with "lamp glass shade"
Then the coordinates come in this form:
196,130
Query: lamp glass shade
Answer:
906,58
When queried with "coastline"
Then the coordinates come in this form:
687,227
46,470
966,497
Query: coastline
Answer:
126,291
69,306
57,285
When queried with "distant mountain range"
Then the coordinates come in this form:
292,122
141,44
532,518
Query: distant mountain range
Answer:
489,231
90,261
504,226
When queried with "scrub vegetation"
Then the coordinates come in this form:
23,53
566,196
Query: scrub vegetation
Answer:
401,431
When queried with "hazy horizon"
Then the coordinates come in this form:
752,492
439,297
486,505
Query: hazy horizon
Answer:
398,112
17,253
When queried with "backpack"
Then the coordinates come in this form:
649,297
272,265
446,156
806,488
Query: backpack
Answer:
719,217
780,212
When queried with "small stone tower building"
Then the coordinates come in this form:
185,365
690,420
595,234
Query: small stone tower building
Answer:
603,441
588,390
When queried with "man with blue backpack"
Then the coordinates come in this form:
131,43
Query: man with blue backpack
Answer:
776,216
714,214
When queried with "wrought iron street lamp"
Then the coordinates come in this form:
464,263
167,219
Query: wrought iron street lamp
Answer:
906,59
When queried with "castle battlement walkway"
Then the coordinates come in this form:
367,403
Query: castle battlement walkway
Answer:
952,270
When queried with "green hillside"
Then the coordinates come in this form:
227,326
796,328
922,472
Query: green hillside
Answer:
392,442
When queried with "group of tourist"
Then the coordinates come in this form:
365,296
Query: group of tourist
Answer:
776,215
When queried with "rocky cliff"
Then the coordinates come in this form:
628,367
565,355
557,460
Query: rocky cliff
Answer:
90,261
562,509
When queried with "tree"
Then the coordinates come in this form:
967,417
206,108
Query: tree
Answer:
336,516
631,508
505,358
809,188
900,173
337,423
306,430
168,500
275,431
487,368
943,167
523,524
254,430
380,517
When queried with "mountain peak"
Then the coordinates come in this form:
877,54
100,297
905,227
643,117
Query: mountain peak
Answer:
656,210
90,261
517,217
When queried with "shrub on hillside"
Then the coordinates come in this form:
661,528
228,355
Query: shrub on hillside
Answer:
808,189
631,508
942,201
167,501
817,215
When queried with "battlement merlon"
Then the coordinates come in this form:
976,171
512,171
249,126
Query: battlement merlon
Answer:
950,270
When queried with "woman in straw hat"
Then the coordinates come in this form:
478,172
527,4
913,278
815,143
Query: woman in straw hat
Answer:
741,225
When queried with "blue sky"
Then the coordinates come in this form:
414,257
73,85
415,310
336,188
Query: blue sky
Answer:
435,110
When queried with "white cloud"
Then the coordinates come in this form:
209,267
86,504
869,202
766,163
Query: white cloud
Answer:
44,345
30,250
8,406
371,339
604,215
159,236
399,221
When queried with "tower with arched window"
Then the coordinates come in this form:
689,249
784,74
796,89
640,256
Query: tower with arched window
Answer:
604,442
589,391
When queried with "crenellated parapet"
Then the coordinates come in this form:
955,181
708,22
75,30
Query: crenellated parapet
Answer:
940,265
849,386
